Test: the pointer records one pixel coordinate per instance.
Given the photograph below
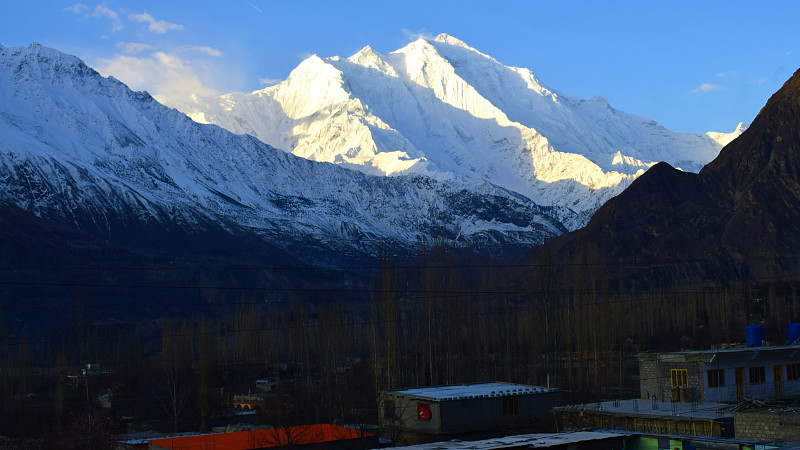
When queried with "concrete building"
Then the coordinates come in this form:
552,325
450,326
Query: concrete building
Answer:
650,416
583,440
428,413
606,440
726,375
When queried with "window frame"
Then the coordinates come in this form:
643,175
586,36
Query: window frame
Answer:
510,406
793,372
756,374
679,378
715,378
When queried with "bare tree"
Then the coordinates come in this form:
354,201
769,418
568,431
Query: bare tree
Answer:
174,395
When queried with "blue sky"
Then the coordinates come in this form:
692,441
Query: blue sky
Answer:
692,66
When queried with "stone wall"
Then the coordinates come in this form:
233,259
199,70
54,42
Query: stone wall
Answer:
649,383
655,377
767,425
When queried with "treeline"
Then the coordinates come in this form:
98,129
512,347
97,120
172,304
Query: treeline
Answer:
449,317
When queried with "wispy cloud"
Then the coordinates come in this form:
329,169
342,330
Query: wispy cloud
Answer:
255,7
761,80
130,48
707,87
101,11
156,26
203,49
78,8
269,81
170,79
414,35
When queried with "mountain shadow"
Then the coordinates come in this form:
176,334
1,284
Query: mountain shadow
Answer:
737,220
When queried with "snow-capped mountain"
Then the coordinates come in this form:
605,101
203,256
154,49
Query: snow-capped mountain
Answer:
440,108
87,151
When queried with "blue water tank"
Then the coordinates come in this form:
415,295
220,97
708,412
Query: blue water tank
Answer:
755,334
794,332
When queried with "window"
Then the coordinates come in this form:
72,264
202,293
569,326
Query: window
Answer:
716,378
389,411
510,406
793,372
756,374
679,378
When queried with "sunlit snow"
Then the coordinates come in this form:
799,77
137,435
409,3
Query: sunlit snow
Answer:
441,108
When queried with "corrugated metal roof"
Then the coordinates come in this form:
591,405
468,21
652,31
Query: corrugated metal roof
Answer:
466,391
645,408
539,440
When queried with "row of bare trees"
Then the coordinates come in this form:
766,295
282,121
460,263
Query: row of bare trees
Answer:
449,317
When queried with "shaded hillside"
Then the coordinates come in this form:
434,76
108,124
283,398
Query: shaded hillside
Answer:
737,220
51,273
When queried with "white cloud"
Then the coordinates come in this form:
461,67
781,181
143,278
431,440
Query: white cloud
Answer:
761,80
414,35
78,8
707,87
100,11
203,49
156,26
269,81
130,48
170,79
255,7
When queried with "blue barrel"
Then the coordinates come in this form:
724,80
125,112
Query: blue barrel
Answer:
755,334
794,332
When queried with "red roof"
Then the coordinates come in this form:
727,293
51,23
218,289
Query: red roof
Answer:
263,438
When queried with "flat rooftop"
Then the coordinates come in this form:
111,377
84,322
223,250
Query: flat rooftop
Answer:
479,390
734,349
538,440
639,407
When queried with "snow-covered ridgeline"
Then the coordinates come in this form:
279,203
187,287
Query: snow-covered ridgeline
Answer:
83,148
441,108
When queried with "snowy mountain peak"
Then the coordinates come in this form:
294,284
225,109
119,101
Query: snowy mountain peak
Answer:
447,39
601,100
724,139
369,58
366,52
88,152
43,61
443,109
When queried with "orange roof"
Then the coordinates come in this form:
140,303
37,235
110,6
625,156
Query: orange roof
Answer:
263,438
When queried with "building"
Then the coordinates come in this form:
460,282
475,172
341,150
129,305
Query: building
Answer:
606,440
429,413
769,423
582,440
725,375
319,436
650,416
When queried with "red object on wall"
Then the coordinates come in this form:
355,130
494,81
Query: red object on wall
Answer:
423,411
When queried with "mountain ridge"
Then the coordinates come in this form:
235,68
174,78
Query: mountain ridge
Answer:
87,151
734,221
442,108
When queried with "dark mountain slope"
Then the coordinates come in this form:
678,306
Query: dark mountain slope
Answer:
738,219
